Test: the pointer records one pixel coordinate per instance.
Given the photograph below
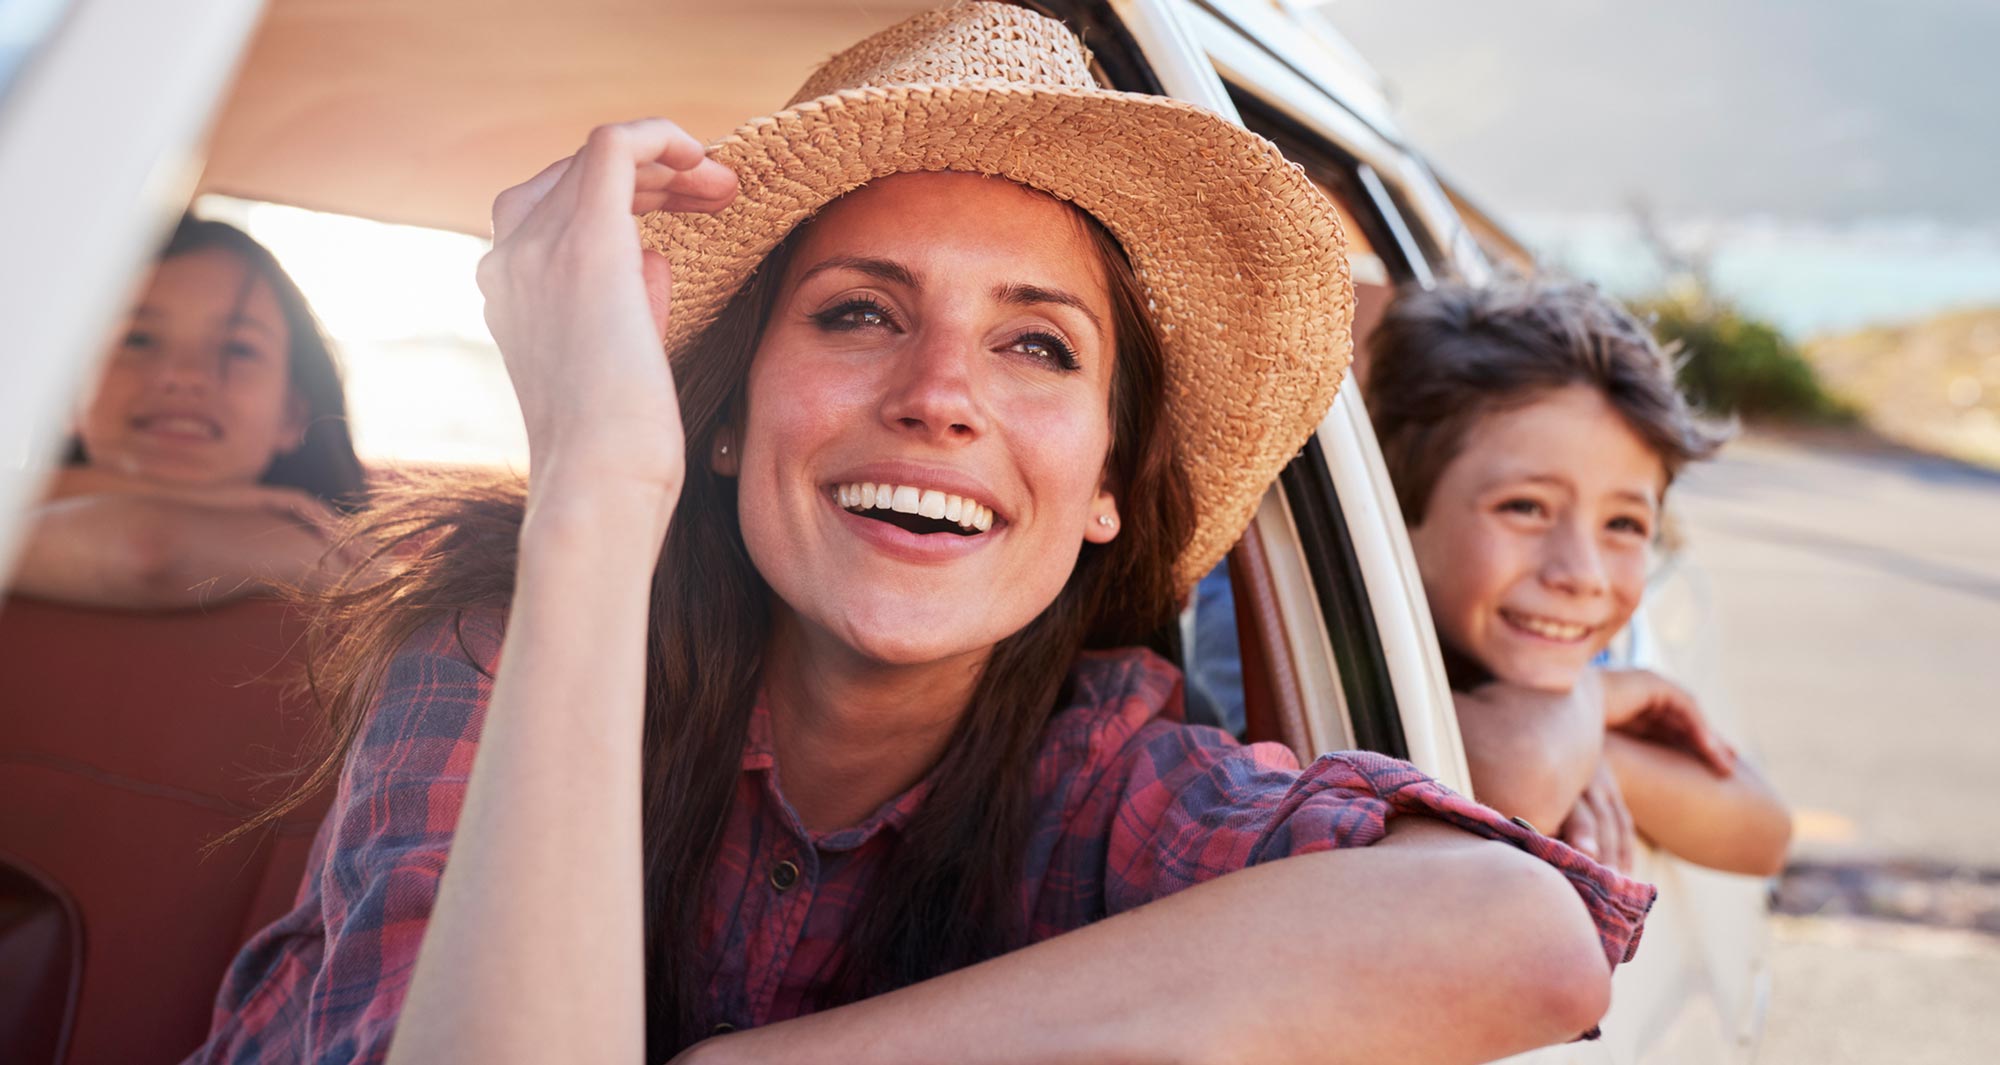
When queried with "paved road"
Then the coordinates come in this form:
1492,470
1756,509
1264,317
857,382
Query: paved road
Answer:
1857,592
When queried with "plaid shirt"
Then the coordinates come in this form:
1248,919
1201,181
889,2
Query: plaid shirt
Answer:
1130,806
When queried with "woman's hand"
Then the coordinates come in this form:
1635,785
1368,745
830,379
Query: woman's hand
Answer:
1601,825
1644,705
578,309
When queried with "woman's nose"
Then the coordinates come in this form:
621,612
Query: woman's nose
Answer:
1573,563
934,389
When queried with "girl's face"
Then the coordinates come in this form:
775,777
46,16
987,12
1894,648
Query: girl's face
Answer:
197,390
940,343
1536,539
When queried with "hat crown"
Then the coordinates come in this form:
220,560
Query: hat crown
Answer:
973,43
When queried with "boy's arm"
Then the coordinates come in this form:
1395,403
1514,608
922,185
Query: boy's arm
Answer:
1735,823
1531,753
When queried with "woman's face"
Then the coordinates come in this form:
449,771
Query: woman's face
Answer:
197,390
940,343
1536,538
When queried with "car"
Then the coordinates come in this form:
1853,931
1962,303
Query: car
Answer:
418,111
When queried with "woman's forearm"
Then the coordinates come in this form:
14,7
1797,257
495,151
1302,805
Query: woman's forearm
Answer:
1735,823
1430,947
534,952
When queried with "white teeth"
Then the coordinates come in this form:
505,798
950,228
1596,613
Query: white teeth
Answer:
908,499
1554,630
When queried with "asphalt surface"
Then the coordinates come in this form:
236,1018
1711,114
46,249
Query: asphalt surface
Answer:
1856,595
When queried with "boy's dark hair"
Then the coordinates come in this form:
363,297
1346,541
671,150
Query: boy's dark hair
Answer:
1443,357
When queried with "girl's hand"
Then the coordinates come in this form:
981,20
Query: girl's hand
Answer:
1647,706
578,308
1601,825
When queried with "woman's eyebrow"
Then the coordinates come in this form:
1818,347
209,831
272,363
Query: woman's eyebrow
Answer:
886,270
1028,295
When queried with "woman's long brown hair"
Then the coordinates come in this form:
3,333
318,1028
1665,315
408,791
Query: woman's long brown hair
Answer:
949,893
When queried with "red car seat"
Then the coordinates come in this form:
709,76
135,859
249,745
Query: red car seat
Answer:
127,743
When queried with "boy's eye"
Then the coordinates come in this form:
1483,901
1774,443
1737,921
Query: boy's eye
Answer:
1629,525
1048,348
1528,507
849,315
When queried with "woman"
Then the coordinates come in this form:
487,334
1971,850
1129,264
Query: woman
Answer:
789,727
213,454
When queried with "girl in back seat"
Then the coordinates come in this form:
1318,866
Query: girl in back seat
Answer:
213,453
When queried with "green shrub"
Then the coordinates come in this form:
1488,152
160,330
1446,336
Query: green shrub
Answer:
1735,364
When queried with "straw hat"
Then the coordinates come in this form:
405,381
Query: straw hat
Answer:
1242,258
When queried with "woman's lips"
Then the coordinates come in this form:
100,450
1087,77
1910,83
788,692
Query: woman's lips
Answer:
901,543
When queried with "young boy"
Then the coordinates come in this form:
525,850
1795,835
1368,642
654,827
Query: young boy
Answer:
1531,430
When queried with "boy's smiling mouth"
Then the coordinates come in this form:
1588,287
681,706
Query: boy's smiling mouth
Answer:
918,510
1545,627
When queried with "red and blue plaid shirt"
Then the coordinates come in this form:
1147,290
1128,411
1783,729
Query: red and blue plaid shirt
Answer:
1130,806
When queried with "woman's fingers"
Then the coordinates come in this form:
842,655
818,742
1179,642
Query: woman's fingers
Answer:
613,156
513,206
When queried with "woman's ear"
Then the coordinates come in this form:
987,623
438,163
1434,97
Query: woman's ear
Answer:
723,460
1103,524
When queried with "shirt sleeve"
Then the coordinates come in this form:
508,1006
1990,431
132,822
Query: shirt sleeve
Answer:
1183,804
327,982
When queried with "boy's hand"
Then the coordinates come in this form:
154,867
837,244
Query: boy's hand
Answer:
1601,825
1644,705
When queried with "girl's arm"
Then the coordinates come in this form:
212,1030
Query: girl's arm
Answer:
1531,753
1431,946
1735,823
155,552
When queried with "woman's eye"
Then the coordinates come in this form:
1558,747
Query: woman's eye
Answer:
855,314
1049,348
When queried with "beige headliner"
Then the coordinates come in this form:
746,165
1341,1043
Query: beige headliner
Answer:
419,111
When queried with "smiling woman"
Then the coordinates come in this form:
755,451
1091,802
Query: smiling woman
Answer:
741,747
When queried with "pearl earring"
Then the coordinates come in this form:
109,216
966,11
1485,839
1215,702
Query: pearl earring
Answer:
722,449
1106,520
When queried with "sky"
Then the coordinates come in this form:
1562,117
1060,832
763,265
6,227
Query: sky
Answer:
1819,112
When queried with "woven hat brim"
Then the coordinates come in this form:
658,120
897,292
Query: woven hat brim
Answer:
1242,257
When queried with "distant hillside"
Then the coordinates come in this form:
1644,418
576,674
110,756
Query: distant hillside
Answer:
1934,384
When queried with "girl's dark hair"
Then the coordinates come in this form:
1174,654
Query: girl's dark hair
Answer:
1446,356
324,463
949,891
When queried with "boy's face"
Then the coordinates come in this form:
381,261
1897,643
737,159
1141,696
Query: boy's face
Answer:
1536,538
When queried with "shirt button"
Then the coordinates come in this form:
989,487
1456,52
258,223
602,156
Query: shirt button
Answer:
784,875
722,1028
1523,822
